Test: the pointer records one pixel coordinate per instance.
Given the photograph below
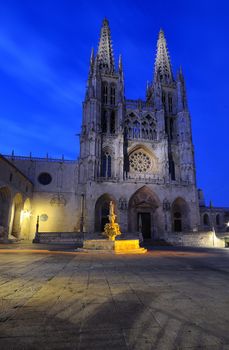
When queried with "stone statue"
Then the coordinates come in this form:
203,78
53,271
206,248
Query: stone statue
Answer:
111,230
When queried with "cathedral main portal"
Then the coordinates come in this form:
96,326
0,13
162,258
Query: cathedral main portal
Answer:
144,224
141,212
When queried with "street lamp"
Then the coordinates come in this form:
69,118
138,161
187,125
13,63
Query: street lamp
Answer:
212,225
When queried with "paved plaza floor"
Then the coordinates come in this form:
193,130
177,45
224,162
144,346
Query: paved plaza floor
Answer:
168,298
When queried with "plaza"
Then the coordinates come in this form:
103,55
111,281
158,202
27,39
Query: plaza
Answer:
53,297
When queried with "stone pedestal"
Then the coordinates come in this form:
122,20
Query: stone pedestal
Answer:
122,246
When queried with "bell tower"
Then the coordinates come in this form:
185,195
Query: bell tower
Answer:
101,151
169,95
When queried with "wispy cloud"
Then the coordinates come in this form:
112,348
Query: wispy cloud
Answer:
32,69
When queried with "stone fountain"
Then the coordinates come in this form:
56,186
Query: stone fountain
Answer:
111,230
110,244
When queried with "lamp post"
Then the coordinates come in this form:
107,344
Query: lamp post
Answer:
36,238
212,225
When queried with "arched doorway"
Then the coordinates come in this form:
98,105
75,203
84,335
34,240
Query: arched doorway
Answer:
25,219
5,198
16,214
180,215
206,220
142,212
102,211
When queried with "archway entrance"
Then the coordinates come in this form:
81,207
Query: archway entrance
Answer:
102,211
5,198
141,212
144,224
25,219
180,215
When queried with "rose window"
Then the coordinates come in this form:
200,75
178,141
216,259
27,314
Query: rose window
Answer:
140,162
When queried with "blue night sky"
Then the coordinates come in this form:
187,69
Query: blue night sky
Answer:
44,59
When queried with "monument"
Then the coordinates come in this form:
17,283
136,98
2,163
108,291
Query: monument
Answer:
110,244
111,229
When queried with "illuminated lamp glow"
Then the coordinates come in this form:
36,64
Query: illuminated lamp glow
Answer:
25,214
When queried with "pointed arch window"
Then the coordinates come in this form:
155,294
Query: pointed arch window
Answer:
105,93
106,165
112,95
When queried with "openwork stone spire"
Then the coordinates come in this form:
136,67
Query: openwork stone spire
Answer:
105,57
163,69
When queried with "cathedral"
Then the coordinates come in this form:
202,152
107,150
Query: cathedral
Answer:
136,153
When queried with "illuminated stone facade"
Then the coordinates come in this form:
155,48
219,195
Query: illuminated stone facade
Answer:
16,192
138,154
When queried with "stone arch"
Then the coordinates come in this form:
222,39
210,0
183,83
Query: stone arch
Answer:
102,210
25,219
5,202
16,215
206,220
142,212
180,214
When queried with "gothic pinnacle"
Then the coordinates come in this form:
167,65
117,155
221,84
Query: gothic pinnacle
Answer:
92,58
162,69
180,75
105,52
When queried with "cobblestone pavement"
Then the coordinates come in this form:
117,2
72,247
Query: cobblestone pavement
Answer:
166,299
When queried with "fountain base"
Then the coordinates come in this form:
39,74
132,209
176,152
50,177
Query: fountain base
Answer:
122,246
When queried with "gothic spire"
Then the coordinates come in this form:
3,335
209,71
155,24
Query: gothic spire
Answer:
105,52
163,69
181,91
92,58
92,62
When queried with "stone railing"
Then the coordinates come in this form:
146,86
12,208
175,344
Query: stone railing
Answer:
144,178
39,159
139,104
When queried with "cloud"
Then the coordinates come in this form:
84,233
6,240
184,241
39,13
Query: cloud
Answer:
32,69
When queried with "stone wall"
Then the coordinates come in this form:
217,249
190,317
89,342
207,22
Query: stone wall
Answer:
200,239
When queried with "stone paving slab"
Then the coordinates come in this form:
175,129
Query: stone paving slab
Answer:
165,299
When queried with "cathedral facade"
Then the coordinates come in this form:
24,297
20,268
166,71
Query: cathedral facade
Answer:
137,154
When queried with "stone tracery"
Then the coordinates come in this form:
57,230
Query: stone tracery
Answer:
140,161
143,127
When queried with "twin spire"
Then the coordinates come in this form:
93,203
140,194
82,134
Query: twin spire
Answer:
162,69
105,56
